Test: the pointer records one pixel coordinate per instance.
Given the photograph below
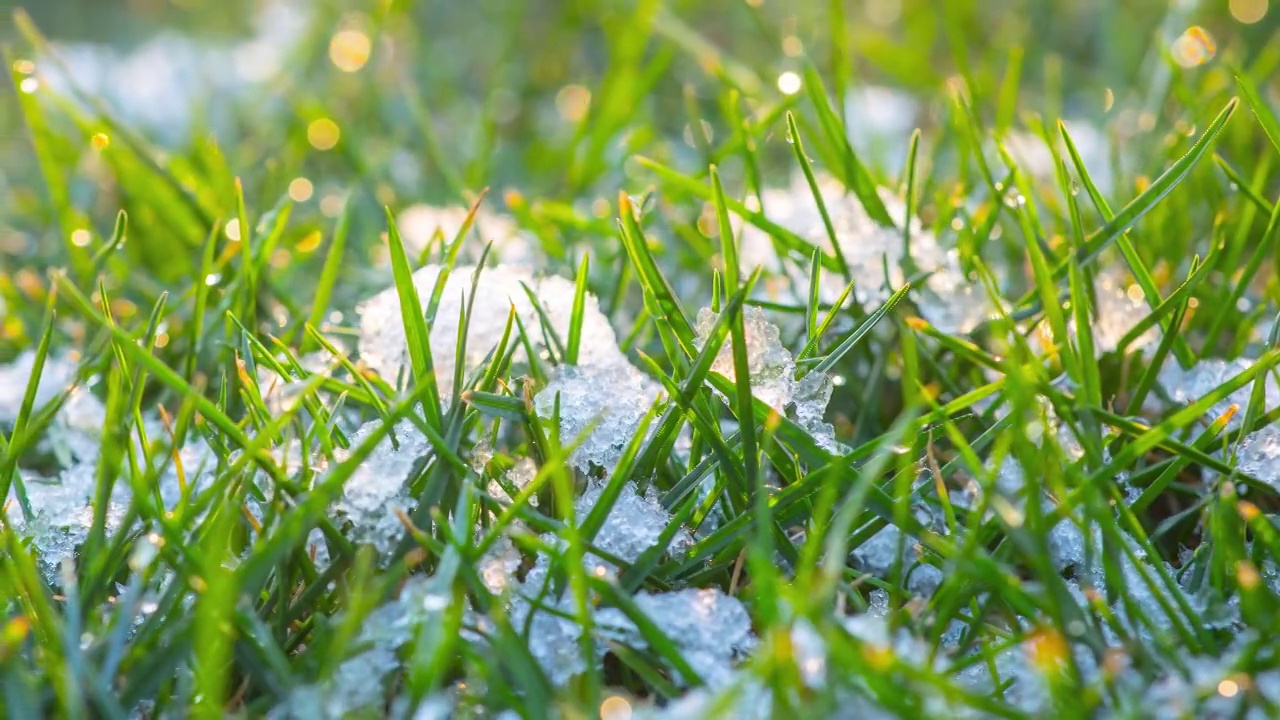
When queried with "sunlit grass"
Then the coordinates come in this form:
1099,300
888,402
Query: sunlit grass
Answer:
644,363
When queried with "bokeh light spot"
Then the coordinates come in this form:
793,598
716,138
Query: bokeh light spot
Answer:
1194,47
1248,11
615,707
789,83
301,189
572,102
323,134
349,50
233,230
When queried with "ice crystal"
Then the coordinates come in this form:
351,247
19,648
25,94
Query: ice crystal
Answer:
769,364
499,565
711,630
634,524
1190,385
608,399
1259,455
519,476
63,514
772,373
379,487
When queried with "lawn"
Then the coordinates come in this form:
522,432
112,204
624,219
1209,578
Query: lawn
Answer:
640,359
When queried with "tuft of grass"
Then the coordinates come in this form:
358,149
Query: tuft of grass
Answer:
1069,510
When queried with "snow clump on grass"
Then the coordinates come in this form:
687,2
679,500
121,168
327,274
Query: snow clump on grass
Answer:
772,373
876,256
426,226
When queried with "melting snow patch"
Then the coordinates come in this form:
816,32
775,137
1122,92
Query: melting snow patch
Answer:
379,486
608,399
424,226
383,347
876,256
56,375
772,374
711,630
359,682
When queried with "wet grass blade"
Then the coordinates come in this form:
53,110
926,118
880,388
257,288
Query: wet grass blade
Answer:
575,320
416,331
1141,205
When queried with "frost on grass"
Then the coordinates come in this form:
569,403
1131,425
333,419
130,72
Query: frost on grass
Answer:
602,403
877,258
379,488
383,347
424,227
772,372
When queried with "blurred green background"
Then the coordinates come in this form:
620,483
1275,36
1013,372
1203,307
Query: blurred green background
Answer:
156,106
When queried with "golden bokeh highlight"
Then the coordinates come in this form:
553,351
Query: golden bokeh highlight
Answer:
349,50
100,141
615,707
323,134
789,83
1248,11
572,102
1194,47
310,241
301,189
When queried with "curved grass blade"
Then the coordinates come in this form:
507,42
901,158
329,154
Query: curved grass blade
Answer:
1139,206
416,332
